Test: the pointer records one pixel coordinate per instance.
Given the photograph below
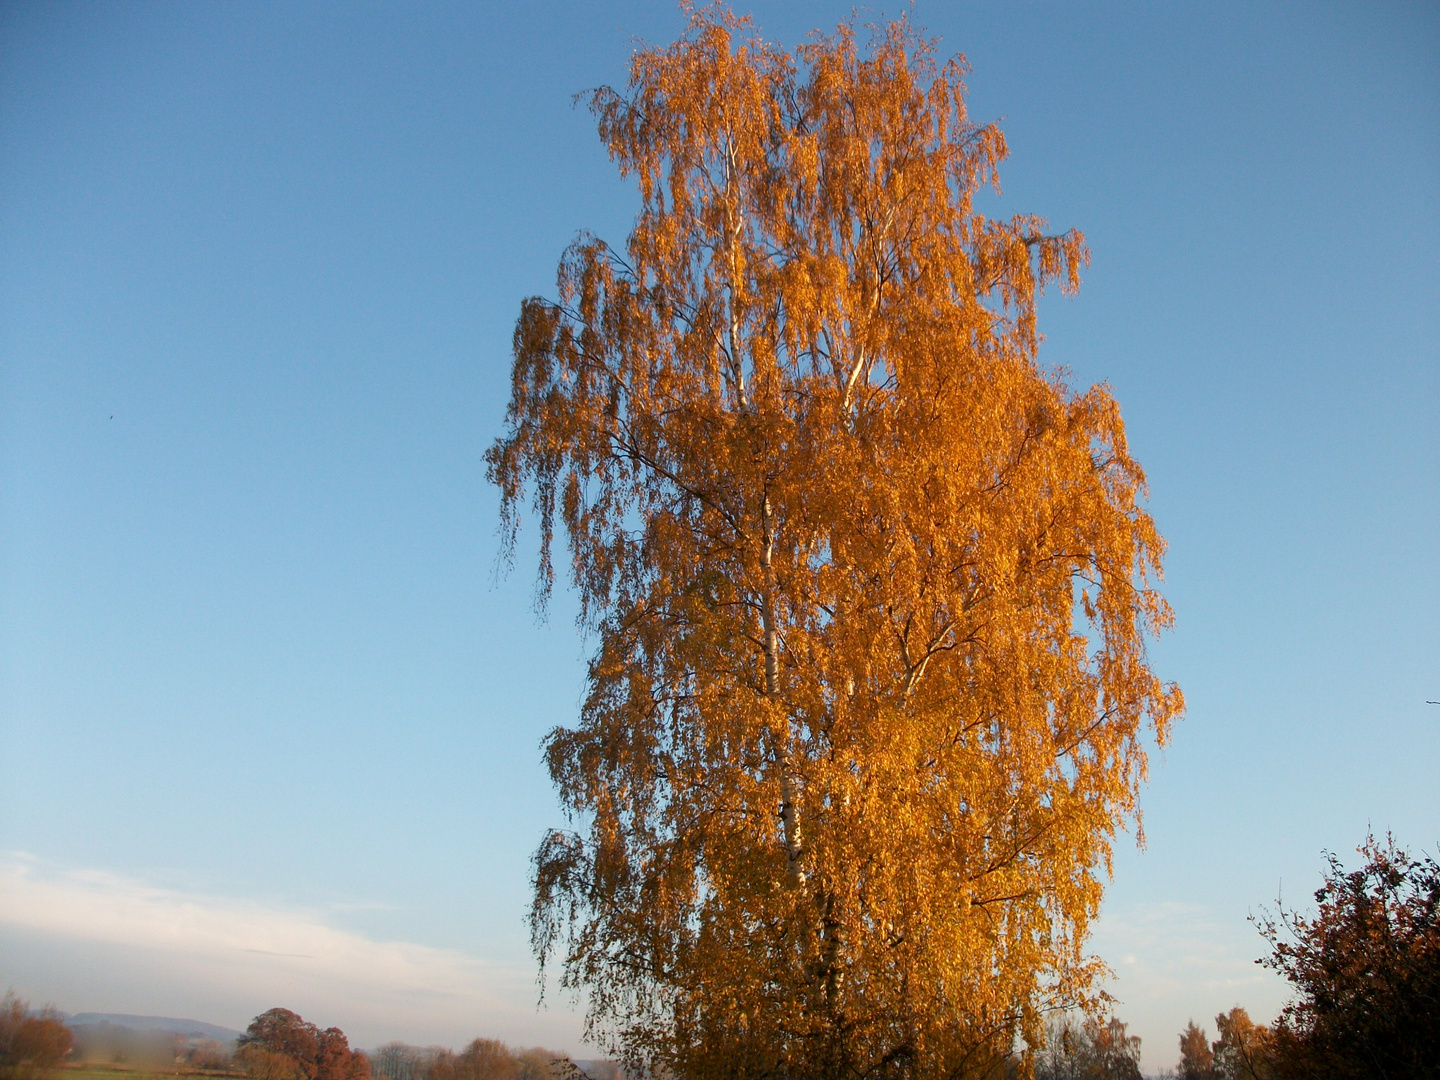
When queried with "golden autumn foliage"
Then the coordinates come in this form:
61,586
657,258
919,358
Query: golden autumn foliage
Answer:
281,1045
871,588
1364,972
33,1045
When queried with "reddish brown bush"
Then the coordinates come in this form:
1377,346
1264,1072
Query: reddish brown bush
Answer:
31,1044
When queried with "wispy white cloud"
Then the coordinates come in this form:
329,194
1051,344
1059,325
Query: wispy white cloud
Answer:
95,940
1166,957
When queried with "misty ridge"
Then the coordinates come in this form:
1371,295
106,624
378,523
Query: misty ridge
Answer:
156,1041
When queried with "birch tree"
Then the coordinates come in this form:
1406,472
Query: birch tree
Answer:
870,587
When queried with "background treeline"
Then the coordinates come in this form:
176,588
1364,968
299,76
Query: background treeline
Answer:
483,1059
1088,1049
278,1045
281,1045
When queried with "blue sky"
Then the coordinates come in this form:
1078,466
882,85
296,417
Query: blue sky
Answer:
269,724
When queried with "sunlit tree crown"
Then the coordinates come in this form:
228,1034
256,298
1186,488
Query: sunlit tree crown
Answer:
871,587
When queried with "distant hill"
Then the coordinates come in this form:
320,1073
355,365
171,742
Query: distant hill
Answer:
162,1025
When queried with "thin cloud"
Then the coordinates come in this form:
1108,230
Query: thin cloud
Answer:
1162,954
122,939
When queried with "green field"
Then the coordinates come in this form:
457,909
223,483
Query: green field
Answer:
90,1070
